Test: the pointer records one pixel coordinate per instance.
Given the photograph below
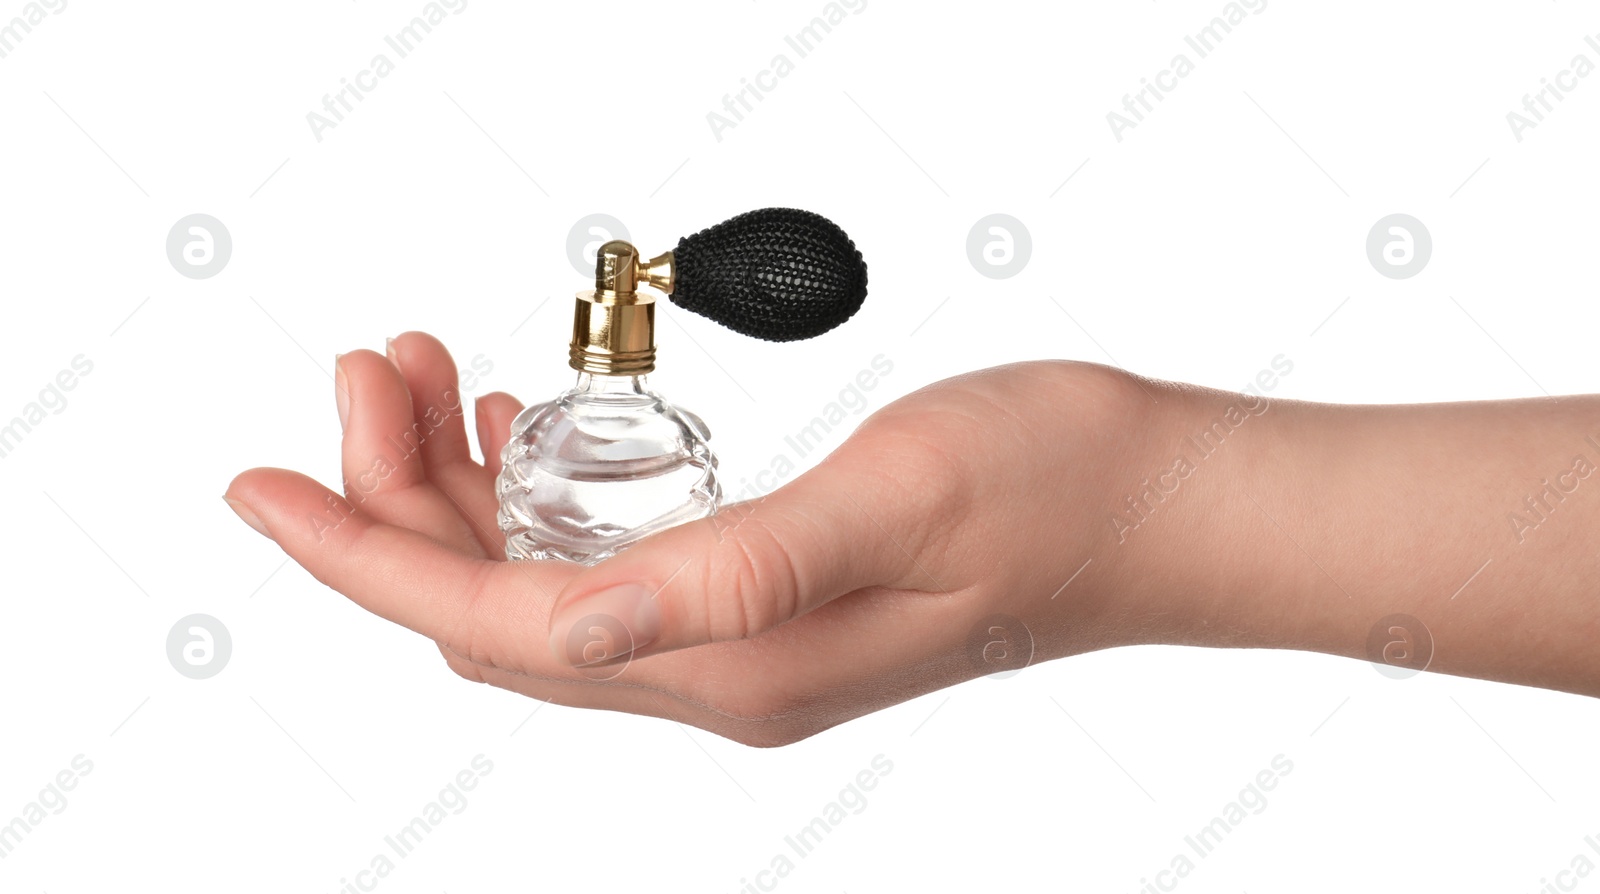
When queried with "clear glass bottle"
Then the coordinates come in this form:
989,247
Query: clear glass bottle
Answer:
606,463
609,461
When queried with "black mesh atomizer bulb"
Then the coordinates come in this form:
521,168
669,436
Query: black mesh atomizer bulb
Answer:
610,461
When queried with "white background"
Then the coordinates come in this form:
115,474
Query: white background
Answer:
1225,229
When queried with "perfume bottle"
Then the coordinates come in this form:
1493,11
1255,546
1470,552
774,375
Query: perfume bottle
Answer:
610,461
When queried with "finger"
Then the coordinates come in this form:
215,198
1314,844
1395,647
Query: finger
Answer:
383,471
435,387
842,526
495,414
441,435
612,694
375,413
394,572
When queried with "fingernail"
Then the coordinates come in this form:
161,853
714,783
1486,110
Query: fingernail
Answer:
605,625
341,390
388,349
247,516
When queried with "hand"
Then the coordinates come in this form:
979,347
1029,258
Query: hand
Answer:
998,518
866,581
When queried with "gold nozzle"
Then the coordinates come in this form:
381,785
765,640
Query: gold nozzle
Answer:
660,272
614,325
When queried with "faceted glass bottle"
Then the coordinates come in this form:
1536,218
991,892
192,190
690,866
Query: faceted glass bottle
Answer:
603,465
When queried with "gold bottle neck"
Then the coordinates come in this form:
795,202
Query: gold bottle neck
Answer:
612,339
614,324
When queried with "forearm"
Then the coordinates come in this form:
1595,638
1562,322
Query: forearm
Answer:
1310,523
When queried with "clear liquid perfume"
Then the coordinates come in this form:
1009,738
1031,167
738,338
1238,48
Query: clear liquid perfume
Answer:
610,461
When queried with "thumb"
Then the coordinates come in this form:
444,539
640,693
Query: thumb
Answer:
746,570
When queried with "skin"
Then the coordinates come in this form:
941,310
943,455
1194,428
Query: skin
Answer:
875,576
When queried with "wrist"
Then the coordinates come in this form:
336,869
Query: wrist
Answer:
1184,535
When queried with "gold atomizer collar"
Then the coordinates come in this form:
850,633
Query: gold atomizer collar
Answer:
614,324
